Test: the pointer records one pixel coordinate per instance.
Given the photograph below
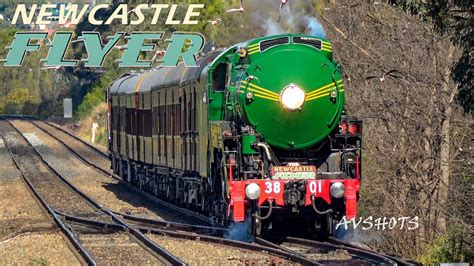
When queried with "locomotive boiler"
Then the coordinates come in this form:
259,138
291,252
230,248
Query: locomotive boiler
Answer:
257,133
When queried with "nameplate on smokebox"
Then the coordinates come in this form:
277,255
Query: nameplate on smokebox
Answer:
294,172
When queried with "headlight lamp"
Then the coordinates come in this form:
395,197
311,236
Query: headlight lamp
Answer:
337,190
292,97
252,191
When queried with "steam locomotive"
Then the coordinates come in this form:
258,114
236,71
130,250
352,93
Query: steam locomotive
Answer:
257,133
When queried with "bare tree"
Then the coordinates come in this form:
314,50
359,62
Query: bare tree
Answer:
416,135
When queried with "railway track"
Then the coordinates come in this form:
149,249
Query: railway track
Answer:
296,249
57,193
331,252
397,260
99,161
277,256
327,252
98,232
316,251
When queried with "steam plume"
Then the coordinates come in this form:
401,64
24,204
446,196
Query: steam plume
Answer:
297,17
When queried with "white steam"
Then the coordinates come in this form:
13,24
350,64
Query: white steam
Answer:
239,231
298,16
316,29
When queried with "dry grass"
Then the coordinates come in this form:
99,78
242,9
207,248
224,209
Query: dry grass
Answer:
98,115
36,249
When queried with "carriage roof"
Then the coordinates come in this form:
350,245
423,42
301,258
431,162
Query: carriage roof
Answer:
160,77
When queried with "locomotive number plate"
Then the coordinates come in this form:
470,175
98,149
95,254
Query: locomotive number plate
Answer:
294,172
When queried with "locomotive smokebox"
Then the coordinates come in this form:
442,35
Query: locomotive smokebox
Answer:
297,92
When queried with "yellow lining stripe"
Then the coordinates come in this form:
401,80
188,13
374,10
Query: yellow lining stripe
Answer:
324,91
259,91
320,96
137,87
254,52
314,98
320,92
256,94
253,45
270,95
323,87
265,97
263,89
263,93
326,47
254,49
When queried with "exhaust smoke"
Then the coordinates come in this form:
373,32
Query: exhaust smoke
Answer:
296,17
239,231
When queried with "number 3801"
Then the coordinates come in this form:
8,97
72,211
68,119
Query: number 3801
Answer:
275,187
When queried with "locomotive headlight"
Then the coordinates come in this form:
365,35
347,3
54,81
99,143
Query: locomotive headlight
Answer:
252,191
292,97
337,190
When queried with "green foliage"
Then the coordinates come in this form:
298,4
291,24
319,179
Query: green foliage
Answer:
453,246
44,87
19,101
92,99
96,96
18,96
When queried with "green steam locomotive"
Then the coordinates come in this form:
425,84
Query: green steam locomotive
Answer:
257,133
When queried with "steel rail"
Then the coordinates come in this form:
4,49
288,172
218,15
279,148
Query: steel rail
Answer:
158,251
162,224
121,181
80,140
358,252
368,254
399,261
198,237
86,256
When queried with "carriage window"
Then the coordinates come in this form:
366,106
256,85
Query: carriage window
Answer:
194,113
124,118
138,123
190,109
145,117
184,108
128,114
